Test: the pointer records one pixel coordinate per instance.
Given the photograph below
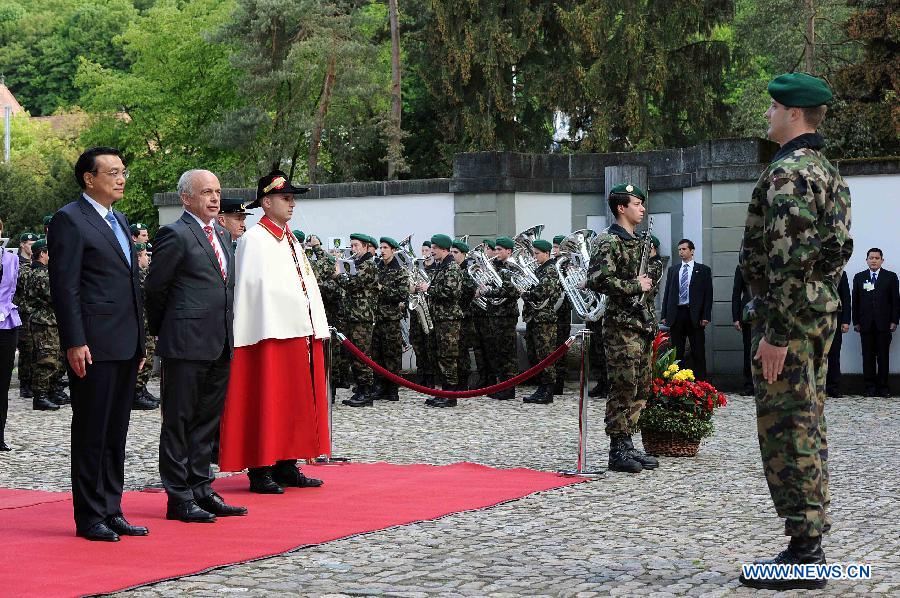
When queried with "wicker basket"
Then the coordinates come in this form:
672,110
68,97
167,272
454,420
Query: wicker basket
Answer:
668,444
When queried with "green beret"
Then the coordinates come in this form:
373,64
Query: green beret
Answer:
629,189
372,241
461,246
394,244
362,237
137,227
505,242
558,239
655,242
139,247
442,241
301,236
426,243
28,237
47,219
490,243
542,245
799,90
40,244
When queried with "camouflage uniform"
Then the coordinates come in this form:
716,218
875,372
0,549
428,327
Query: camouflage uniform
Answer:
796,244
360,291
47,356
540,316
25,342
323,265
504,317
629,326
143,376
468,337
423,342
563,329
387,339
444,295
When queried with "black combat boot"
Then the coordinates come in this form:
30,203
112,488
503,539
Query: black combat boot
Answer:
599,390
646,461
58,395
619,459
391,393
41,402
140,403
542,396
25,391
800,551
504,395
428,380
150,396
361,398
559,386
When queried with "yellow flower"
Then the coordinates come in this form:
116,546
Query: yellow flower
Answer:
685,375
672,368
666,374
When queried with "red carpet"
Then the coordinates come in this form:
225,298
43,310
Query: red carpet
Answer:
42,556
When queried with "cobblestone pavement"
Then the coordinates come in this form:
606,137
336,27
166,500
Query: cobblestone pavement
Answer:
683,529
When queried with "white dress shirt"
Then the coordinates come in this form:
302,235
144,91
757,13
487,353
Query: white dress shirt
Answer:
690,274
215,237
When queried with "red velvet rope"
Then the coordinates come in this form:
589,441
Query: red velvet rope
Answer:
465,394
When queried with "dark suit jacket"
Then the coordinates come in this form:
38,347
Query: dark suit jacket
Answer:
96,295
740,295
700,294
189,305
880,306
844,293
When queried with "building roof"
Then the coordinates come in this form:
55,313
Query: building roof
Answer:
8,99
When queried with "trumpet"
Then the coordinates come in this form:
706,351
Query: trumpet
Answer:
417,301
481,270
572,267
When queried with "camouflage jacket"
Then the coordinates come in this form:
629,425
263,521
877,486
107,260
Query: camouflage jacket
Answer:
361,291
323,265
613,271
468,293
40,307
797,238
21,296
540,300
393,283
509,308
445,291
563,306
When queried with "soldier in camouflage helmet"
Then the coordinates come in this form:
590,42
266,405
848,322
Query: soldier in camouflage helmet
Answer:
629,323
26,241
387,338
360,292
47,357
143,398
540,315
504,317
467,336
444,293
796,244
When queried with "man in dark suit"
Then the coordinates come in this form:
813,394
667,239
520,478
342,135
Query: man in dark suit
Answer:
876,310
96,296
687,306
740,297
833,378
190,296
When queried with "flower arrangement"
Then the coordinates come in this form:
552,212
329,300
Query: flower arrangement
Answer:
679,405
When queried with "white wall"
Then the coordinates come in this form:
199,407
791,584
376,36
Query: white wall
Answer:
875,216
553,210
692,225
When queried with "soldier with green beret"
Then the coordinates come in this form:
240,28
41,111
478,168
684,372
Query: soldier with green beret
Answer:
468,338
361,296
540,318
444,294
629,323
143,399
232,217
796,244
301,236
504,314
387,336
26,241
564,328
324,266
422,341
46,221
140,233
481,323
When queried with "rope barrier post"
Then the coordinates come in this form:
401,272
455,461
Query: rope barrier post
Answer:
583,411
329,389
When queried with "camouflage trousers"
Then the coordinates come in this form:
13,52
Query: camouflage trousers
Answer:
26,352
446,356
503,347
541,339
422,345
563,331
360,334
143,376
597,353
48,362
790,421
387,345
484,359
340,359
467,341
629,376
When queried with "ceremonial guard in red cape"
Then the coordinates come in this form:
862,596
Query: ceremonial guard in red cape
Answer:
276,410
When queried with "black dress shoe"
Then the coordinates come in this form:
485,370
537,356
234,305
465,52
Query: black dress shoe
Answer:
99,532
189,512
215,505
264,484
120,525
294,478
4,447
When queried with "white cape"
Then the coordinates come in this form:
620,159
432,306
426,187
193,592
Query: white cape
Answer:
269,301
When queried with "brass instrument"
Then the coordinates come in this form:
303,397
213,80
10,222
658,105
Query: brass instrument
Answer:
482,271
523,257
572,268
645,259
417,301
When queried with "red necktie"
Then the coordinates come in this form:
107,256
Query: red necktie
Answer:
209,235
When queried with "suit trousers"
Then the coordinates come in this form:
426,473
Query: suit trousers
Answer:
192,398
684,330
8,340
876,350
101,409
833,378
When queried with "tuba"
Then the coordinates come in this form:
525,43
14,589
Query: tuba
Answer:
572,267
481,270
415,270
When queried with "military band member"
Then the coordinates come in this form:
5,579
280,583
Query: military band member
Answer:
487,374
324,265
25,346
232,216
504,318
630,324
796,244
143,398
360,298
140,233
444,293
563,326
540,315
387,338
467,337
421,340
